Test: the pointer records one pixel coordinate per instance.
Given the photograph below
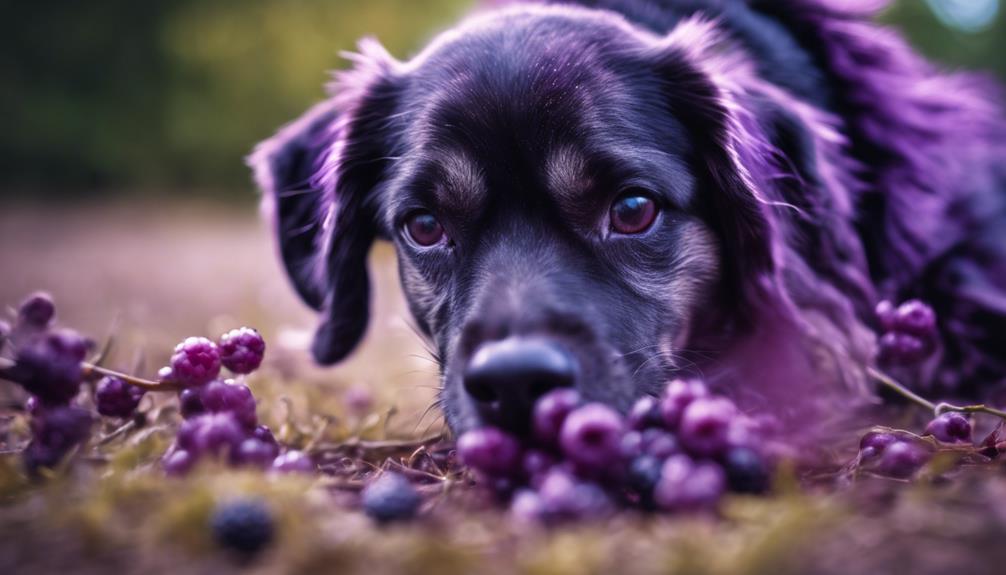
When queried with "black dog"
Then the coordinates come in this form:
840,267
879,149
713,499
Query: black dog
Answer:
603,194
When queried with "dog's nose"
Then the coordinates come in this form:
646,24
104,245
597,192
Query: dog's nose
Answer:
506,377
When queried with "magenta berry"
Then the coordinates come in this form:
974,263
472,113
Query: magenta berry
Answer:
550,412
688,486
242,350
178,462
706,426
491,451
903,349
887,315
219,397
591,436
564,497
293,462
116,398
916,318
255,452
950,427
264,434
874,443
196,361
36,312
212,433
678,395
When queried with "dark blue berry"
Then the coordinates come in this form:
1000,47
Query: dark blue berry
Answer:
244,526
644,473
391,497
645,413
190,403
746,470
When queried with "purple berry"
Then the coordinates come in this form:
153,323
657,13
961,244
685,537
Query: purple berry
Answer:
490,451
705,428
916,318
220,397
55,432
550,412
178,462
564,497
886,315
264,434
678,395
242,350
212,433
293,462
659,443
255,452
33,406
166,375
591,436
536,464
746,471
899,348
116,398
196,361
950,427
527,507
36,312
48,366
390,497
645,413
644,474
874,443
902,459
688,486
190,403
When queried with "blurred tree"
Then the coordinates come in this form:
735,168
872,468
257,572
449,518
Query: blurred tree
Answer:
171,94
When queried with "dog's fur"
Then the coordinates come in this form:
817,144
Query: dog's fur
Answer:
807,162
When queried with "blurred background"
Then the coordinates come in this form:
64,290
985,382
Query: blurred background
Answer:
123,189
165,97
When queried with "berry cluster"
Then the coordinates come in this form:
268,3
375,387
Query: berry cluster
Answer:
902,455
679,452
48,363
909,332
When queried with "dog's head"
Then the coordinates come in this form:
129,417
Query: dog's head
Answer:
565,197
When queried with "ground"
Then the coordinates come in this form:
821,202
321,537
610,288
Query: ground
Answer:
152,274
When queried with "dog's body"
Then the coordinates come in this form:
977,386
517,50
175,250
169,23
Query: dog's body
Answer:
802,163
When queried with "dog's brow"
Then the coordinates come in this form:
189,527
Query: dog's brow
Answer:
463,186
567,176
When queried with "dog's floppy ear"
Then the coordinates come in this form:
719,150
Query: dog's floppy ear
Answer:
317,176
694,69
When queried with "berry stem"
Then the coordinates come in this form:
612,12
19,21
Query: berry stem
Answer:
936,408
91,370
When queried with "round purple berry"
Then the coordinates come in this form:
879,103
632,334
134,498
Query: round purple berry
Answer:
678,395
591,436
36,312
116,398
899,348
887,315
196,361
550,412
950,427
178,462
705,427
536,464
490,451
212,433
255,452
390,497
902,459
916,318
564,497
688,486
644,474
527,507
293,462
48,365
645,413
264,434
190,403
874,443
61,428
242,350
220,397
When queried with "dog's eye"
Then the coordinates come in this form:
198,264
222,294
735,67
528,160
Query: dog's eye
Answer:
633,213
424,229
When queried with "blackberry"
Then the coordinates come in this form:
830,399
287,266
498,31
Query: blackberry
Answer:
244,526
196,361
242,350
390,497
644,473
116,398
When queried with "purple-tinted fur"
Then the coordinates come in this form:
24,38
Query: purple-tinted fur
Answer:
905,196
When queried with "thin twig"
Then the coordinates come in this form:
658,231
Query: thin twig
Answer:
936,408
91,370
